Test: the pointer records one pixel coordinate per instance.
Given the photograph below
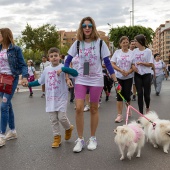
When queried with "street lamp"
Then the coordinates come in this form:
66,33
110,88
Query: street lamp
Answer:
111,46
108,24
130,17
132,12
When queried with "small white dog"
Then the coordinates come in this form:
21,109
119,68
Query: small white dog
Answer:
130,136
159,135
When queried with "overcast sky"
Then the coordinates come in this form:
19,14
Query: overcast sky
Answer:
66,14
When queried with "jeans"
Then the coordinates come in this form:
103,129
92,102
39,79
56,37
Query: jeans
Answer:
158,82
7,114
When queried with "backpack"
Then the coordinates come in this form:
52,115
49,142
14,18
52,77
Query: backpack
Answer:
78,47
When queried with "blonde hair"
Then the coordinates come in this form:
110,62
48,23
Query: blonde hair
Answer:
94,35
7,36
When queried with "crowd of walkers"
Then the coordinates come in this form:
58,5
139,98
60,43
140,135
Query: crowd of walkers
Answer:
89,71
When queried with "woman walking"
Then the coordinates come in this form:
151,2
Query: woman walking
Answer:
122,63
90,77
142,63
11,63
160,69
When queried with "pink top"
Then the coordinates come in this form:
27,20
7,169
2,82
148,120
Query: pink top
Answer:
138,132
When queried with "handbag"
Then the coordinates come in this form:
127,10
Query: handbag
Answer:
6,83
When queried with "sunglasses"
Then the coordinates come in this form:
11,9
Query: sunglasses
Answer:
89,25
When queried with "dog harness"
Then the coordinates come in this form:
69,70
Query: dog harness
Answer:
138,132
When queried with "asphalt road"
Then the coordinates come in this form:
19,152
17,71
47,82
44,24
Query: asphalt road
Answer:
32,150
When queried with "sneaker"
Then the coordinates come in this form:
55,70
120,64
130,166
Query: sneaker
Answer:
11,135
68,132
79,145
2,141
92,144
86,108
30,94
57,141
157,93
147,110
119,118
71,101
43,95
134,98
98,105
107,98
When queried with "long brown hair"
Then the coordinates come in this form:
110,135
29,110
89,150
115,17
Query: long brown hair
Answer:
141,40
94,35
7,36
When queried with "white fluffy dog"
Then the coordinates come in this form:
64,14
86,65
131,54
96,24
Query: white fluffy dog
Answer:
159,135
130,136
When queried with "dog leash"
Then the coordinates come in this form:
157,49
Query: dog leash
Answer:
130,107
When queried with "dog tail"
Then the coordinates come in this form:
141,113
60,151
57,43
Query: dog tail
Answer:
151,115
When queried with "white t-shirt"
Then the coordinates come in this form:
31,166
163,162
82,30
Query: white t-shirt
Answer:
142,56
90,52
31,70
43,66
4,65
124,62
159,67
56,89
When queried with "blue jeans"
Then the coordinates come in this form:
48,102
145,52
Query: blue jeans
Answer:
7,114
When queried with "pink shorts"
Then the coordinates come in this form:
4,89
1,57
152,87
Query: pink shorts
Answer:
81,90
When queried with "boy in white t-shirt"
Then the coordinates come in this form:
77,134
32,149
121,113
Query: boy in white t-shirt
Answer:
56,96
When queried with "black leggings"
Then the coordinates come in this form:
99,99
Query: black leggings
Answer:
107,84
143,87
126,89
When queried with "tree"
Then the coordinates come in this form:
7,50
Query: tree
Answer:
116,33
41,38
64,49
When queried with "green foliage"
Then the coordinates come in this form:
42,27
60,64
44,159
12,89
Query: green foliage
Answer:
41,38
36,56
64,49
116,33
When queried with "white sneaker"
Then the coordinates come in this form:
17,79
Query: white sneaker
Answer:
98,105
79,145
2,141
86,108
92,143
11,135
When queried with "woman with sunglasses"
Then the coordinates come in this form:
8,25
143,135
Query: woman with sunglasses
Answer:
142,64
90,77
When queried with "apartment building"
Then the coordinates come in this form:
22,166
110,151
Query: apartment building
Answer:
161,41
68,38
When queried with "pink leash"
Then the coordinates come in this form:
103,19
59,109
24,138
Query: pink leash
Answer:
130,107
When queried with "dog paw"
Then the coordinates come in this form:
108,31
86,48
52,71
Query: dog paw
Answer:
138,156
155,146
122,158
165,151
129,157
